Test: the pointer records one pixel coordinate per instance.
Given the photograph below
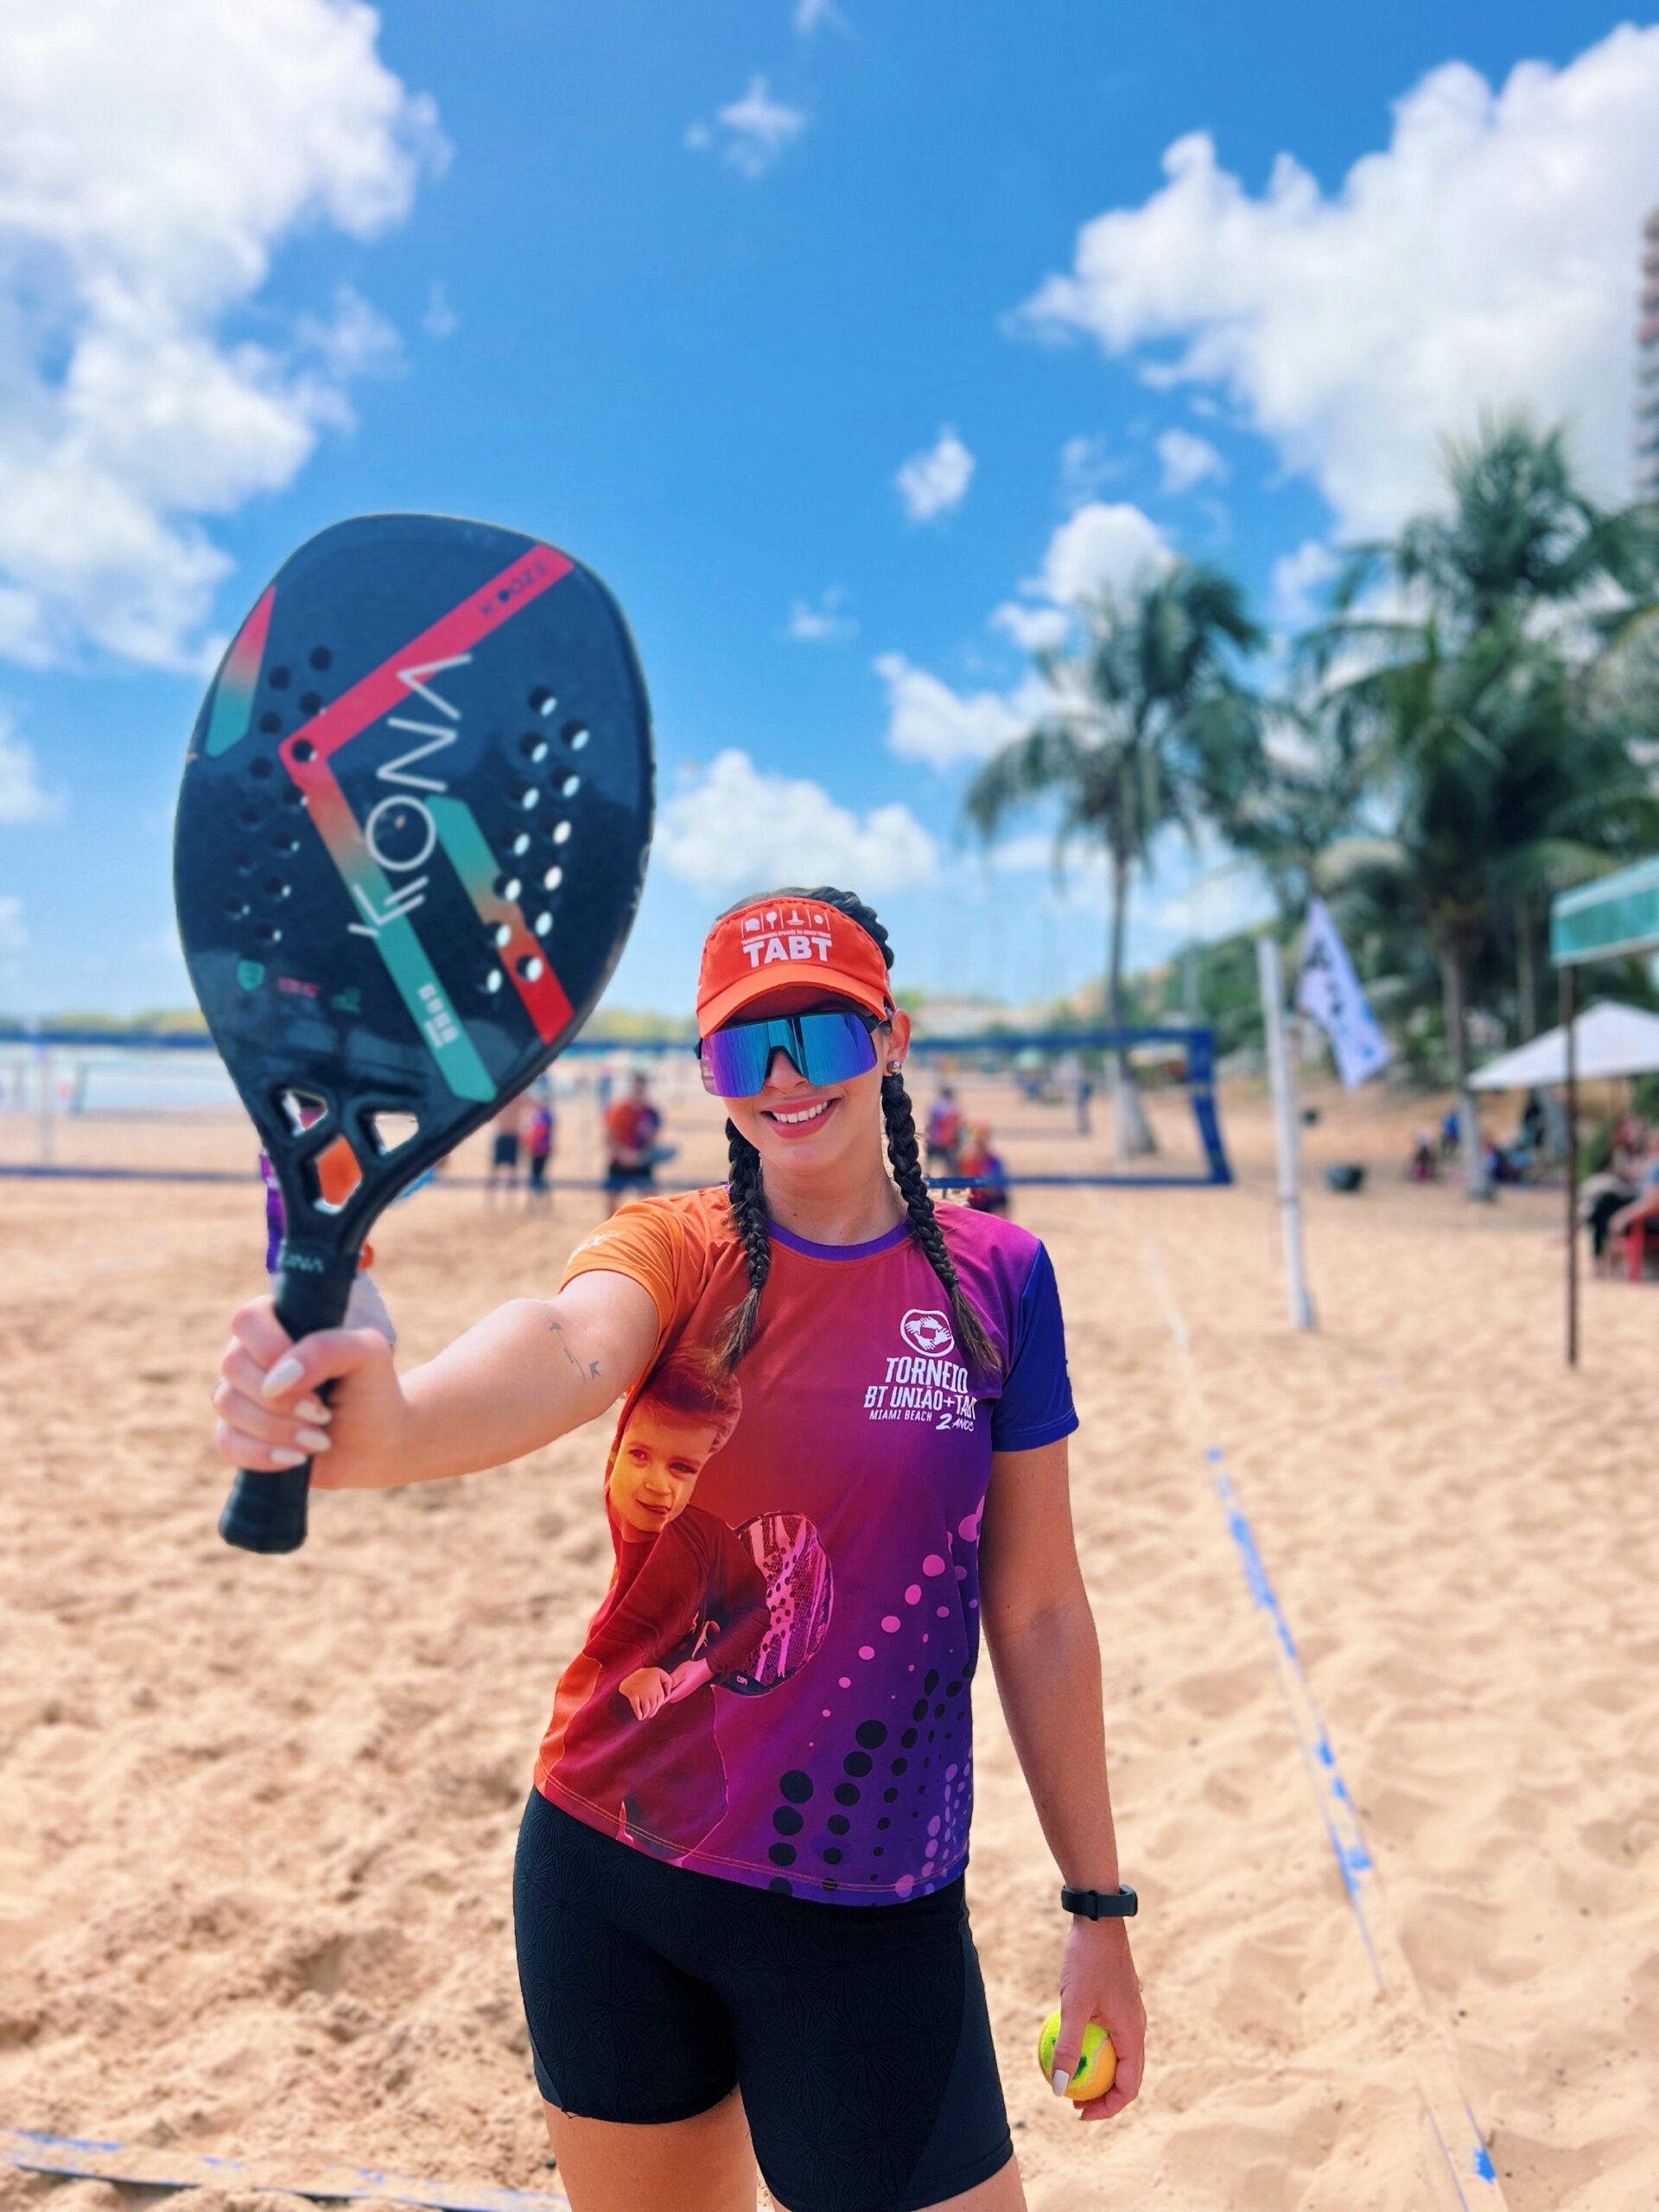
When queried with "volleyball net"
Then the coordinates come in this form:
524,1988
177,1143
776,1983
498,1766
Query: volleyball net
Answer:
1039,1106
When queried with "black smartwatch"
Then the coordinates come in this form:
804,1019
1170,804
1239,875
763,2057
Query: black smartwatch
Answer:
1120,1904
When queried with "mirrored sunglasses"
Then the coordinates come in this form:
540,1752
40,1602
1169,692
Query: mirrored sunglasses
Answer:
823,1048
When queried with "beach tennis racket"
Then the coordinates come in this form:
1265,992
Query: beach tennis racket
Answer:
410,845
800,1599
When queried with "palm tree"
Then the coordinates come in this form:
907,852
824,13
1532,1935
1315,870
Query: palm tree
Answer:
1308,791
1520,534
1506,793
1149,728
1511,775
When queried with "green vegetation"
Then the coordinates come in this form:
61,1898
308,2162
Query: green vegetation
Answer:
1150,729
1473,727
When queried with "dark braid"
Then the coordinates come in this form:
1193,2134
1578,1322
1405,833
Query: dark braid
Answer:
748,1197
977,1348
747,1194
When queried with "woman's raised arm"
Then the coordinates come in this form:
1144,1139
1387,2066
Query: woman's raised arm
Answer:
533,1369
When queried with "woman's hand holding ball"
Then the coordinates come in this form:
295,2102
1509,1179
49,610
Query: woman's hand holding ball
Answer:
1092,2050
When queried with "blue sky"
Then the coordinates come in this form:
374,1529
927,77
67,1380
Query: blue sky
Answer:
825,333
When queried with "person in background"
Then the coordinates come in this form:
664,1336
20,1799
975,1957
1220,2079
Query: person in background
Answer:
631,1129
337,1175
1644,1206
540,1133
975,1157
944,1128
504,1149
1423,1166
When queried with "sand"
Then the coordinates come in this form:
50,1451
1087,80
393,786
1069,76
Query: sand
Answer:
258,1816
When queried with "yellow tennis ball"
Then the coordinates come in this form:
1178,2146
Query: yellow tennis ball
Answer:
1097,2068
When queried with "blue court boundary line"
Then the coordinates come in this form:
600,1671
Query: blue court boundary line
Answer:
1342,1825
138,2166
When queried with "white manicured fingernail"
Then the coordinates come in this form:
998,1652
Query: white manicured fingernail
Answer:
313,1409
314,1439
284,1457
286,1373
1061,2081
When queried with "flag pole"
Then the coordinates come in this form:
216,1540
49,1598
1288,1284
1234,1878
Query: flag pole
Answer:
1283,1077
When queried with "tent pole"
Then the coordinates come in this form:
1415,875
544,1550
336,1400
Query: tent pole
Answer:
1569,1015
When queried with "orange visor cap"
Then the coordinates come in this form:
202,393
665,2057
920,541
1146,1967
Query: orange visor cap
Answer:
783,944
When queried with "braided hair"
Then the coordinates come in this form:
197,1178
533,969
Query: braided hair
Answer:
747,1194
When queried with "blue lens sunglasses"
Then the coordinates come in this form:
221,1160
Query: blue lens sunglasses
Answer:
822,1047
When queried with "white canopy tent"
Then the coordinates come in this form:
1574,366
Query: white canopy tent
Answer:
1608,1040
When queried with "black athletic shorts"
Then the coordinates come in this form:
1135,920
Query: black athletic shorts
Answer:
858,2034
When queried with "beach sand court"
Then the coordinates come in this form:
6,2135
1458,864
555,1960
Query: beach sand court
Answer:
259,1814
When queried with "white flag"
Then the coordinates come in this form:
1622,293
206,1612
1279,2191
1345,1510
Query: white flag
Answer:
1328,989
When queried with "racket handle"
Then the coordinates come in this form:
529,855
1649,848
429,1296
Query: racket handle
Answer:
266,1512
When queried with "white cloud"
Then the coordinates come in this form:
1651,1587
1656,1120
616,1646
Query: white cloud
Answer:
824,624
1086,465
811,14
933,482
1227,898
1034,629
356,340
753,133
927,720
1487,256
736,825
1102,546
22,798
1296,581
438,318
151,161
1188,459
13,935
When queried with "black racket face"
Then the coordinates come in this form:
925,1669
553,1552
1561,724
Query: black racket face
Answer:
410,844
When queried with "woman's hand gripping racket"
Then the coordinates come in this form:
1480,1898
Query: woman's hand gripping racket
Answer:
409,846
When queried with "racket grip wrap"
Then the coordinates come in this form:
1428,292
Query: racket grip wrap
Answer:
266,1512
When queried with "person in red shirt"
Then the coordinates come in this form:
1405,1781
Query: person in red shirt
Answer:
686,1608
975,1157
631,1128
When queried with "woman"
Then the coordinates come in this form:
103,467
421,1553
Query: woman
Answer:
796,1985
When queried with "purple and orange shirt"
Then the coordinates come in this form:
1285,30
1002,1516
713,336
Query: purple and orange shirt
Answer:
826,1567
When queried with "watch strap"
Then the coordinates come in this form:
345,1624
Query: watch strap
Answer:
1120,1904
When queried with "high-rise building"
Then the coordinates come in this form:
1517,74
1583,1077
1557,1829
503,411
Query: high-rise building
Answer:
1647,372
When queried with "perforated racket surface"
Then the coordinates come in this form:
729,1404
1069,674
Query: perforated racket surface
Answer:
800,1599
410,845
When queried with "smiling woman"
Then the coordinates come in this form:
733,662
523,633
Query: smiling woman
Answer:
841,1445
